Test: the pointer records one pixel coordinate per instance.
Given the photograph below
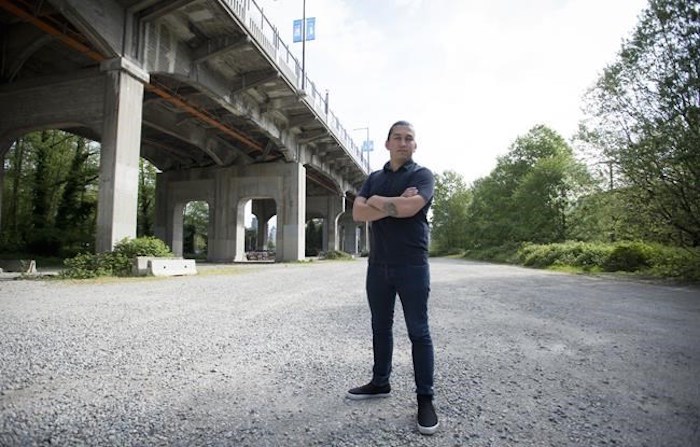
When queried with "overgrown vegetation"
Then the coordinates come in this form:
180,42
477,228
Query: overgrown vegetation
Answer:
336,255
633,205
117,262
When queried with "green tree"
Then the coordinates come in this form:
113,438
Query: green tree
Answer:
529,194
147,198
195,228
449,219
645,115
77,207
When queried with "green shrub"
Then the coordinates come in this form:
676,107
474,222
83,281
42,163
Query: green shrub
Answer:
142,246
675,262
118,262
87,265
538,255
628,257
592,255
577,254
335,254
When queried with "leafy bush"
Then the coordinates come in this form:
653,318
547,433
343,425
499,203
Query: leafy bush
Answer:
87,265
335,254
114,263
644,258
534,255
674,262
628,257
142,246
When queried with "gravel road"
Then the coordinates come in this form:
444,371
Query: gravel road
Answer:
262,355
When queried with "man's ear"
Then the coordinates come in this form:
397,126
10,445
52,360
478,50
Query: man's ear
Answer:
386,144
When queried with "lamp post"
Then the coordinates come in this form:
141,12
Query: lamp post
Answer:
303,45
367,146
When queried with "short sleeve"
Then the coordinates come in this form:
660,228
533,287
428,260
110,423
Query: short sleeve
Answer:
425,183
366,188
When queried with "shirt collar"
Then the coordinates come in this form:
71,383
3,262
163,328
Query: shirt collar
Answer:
405,167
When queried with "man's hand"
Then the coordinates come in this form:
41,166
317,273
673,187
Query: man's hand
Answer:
410,192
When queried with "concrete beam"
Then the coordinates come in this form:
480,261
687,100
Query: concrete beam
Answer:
162,8
64,101
216,47
205,139
102,22
253,79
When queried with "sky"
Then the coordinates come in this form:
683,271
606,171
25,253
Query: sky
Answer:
471,75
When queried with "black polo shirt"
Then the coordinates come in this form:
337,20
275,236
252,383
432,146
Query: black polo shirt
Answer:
393,240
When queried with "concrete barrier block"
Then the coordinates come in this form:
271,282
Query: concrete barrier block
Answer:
172,267
140,267
20,266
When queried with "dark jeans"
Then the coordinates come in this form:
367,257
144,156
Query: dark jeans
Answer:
412,283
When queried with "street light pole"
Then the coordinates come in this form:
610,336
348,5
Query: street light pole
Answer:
366,145
303,45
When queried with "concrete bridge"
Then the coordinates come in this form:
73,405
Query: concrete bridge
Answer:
206,91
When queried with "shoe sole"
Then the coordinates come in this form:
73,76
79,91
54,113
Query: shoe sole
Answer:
428,430
366,396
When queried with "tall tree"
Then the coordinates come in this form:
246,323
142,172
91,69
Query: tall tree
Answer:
645,114
449,218
196,227
147,198
77,206
528,195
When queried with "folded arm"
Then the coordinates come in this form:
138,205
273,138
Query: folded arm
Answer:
379,207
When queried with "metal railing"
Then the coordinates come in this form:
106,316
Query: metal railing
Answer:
267,36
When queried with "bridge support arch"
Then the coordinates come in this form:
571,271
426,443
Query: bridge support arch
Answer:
227,190
330,207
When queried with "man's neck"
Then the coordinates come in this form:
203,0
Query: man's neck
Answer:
396,165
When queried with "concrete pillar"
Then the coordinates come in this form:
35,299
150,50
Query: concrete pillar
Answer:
263,209
328,207
291,214
349,233
119,157
178,234
364,237
224,228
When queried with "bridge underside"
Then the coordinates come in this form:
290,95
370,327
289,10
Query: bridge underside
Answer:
195,88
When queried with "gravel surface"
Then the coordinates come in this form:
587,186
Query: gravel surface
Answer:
262,355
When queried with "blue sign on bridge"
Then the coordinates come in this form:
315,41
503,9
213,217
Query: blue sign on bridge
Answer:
310,29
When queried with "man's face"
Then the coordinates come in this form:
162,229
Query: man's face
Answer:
401,144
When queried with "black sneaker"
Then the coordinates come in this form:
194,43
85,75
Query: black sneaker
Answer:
427,418
369,391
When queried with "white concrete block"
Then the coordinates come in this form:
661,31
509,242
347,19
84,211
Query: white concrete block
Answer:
140,267
20,266
172,267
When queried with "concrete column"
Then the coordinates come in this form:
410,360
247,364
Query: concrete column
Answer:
349,236
119,157
364,237
328,207
330,233
223,237
291,214
263,209
178,211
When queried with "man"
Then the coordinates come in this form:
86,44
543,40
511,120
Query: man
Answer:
395,200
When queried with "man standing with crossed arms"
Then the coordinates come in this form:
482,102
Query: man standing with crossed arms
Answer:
396,200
